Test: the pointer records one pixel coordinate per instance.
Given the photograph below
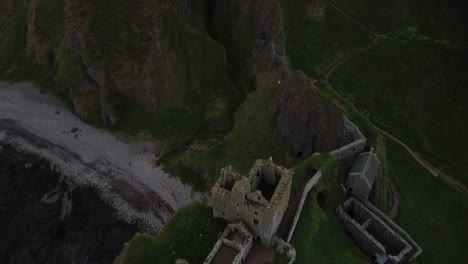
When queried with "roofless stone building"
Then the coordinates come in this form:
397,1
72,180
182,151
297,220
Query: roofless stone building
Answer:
259,199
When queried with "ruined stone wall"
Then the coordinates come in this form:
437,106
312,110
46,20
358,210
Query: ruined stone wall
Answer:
283,189
257,217
339,154
216,247
369,226
260,215
389,238
242,248
360,236
282,247
307,188
416,250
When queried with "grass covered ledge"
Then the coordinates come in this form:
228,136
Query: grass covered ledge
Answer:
190,234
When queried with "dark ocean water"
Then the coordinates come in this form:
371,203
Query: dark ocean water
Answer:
44,220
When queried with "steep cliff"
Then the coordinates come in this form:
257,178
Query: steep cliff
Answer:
309,122
172,70
110,57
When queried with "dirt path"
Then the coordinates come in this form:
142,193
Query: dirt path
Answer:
439,174
428,166
331,69
350,17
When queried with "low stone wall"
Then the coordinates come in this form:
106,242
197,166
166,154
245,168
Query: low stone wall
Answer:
217,246
307,188
243,248
352,148
284,248
339,154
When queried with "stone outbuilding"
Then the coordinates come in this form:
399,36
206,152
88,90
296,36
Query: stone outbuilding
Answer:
362,175
376,233
259,199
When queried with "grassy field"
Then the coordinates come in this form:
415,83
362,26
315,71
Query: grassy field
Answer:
416,92
438,19
190,234
313,43
433,213
380,195
319,236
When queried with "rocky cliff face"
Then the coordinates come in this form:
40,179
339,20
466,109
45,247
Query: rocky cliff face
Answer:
308,121
156,54
180,61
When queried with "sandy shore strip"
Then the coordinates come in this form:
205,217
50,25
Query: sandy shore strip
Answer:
123,171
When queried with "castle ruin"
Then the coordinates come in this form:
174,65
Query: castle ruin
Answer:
259,200
376,233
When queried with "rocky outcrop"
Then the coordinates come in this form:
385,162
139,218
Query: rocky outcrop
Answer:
156,54
309,122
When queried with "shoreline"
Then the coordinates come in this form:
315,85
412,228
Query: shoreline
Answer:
123,172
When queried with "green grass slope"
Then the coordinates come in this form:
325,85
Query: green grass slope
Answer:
439,19
432,212
313,43
190,234
417,93
319,236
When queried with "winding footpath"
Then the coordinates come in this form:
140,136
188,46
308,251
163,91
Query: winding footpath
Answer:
437,173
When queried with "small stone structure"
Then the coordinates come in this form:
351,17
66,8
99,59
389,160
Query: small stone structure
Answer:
375,233
362,175
235,238
259,200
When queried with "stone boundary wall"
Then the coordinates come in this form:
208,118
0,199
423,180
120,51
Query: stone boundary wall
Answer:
352,148
307,188
243,248
339,154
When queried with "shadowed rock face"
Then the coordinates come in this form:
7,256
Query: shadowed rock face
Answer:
36,227
308,121
154,53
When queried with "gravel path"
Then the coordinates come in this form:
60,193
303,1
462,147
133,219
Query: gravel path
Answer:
123,171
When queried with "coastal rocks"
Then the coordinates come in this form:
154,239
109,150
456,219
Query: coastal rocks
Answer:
44,220
310,122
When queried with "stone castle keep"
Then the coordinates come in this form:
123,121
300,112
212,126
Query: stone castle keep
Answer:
259,200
